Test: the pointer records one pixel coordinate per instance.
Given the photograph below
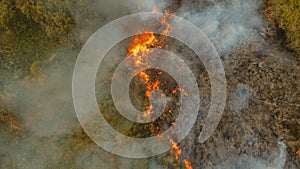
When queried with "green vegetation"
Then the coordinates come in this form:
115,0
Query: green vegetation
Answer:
28,30
31,30
35,34
49,16
286,14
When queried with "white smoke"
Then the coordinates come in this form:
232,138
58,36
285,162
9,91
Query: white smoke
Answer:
282,155
46,109
226,23
276,160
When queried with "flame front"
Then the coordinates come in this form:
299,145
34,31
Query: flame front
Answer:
141,43
139,49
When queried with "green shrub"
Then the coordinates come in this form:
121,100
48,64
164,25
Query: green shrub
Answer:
28,29
52,16
287,16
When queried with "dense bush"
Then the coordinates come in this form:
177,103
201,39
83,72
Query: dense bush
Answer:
287,16
31,30
52,16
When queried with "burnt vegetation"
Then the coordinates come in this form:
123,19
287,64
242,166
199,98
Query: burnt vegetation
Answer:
42,35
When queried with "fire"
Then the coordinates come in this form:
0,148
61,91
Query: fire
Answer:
176,148
164,21
267,11
144,76
177,89
141,43
187,164
139,50
155,9
298,152
148,111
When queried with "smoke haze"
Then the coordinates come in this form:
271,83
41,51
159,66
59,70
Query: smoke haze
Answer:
45,106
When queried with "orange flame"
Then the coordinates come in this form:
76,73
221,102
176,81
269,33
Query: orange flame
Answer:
187,164
298,152
177,89
138,50
141,43
164,21
267,11
176,148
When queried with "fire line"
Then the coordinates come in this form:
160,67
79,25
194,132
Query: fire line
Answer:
139,49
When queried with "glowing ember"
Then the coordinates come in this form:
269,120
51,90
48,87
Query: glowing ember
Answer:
267,11
177,89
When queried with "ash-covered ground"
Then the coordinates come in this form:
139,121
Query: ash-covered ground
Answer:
259,128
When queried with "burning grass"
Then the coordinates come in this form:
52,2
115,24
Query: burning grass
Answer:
139,50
